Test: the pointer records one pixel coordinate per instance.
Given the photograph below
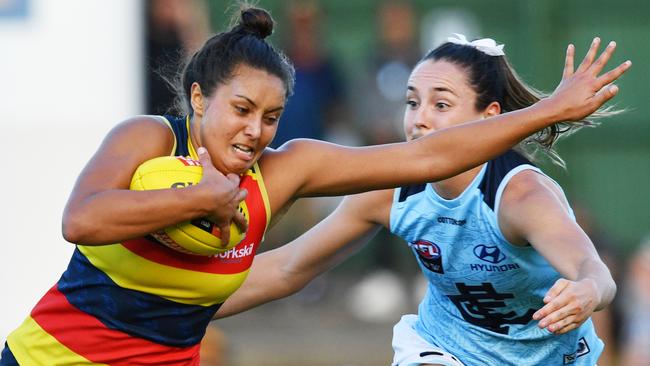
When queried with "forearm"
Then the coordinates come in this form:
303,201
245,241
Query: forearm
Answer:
267,281
431,158
454,150
283,271
113,215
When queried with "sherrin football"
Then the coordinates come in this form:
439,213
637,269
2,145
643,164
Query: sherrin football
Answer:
199,236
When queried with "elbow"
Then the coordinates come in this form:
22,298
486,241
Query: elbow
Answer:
613,289
608,292
71,229
75,229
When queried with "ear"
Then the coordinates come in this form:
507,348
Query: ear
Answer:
196,99
493,109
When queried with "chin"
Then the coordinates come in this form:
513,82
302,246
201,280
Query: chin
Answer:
239,169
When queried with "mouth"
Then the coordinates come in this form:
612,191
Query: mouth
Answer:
244,152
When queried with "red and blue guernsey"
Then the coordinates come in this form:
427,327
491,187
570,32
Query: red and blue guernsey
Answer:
138,302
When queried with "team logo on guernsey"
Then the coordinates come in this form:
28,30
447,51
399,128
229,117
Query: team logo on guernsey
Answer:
429,254
490,253
236,253
480,305
583,349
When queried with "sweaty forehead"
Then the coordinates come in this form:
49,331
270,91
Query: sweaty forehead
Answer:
439,74
256,84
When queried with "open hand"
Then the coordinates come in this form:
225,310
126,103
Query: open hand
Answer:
568,305
582,92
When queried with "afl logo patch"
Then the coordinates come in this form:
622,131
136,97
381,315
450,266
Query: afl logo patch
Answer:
429,254
489,253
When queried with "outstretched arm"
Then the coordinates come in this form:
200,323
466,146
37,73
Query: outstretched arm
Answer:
283,271
451,151
535,210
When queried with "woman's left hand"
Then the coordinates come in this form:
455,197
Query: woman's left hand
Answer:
568,305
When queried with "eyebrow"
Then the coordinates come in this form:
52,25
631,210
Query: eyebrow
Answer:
255,105
437,89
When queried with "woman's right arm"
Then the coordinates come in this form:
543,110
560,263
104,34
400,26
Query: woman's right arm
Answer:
283,271
102,210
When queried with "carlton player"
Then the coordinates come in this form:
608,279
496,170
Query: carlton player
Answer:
512,278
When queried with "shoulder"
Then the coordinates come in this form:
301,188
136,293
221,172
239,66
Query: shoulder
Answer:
297,147
529,185
302,156
135,140
143,130
144,123
527,200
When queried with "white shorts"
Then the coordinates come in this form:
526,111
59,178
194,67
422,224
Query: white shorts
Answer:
411,349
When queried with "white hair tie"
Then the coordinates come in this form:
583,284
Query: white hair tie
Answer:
485,45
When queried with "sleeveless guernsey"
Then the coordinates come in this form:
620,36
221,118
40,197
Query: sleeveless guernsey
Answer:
482,290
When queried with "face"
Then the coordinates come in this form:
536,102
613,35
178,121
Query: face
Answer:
240,118
439,96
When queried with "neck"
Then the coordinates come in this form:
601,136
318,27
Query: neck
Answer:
452,187
195,131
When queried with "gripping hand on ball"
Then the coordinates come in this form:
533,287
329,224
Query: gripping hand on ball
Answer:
225,195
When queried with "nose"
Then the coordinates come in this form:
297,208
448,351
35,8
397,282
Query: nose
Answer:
253,128
423,120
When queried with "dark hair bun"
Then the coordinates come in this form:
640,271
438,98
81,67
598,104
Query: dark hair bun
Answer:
257,22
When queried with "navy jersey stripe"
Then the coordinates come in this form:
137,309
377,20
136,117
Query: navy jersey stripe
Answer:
7,358
496,170
406,191
179,127
134,312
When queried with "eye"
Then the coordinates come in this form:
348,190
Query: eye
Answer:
271,120
442,106
241,110
411,103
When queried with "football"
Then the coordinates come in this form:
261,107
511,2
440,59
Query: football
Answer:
199,236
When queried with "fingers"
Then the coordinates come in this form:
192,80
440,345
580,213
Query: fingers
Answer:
603,58
565,325
590,56
241,195
563,320
556,290
568,61
614,74
550,299
545,311
240,220
604,94
225,234
568,304
234,179
560,315
204,157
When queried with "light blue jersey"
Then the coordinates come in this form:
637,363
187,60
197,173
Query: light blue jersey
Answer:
482,290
